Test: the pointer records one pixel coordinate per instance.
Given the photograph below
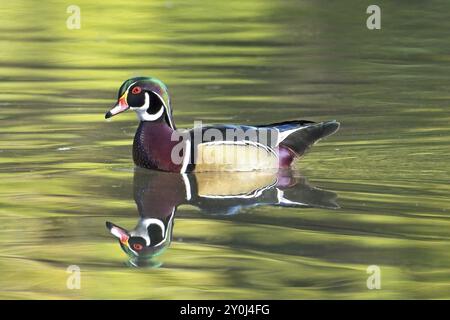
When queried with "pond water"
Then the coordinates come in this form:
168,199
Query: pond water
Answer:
376,192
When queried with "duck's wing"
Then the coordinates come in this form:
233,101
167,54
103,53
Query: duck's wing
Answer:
232,148
247,148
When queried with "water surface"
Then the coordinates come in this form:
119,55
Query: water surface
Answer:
65,171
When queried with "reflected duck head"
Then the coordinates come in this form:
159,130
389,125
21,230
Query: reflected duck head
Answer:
148,239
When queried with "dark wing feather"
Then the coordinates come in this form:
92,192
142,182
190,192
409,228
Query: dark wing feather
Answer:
305,136
287,125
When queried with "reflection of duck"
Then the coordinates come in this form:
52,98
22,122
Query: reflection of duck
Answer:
157,144
158,194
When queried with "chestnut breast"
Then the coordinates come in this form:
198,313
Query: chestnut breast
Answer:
152,147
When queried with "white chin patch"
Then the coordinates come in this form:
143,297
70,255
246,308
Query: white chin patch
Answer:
142,113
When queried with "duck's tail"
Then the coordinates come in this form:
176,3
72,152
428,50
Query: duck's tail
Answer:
299,135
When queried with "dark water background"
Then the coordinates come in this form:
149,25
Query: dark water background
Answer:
64,171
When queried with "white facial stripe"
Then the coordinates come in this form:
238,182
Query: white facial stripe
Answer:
167,110
146,104
142,113
143,116
166,231
142,229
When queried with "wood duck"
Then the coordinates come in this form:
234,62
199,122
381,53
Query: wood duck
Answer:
158,145
158,195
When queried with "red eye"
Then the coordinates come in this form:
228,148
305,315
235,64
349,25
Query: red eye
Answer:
136,90
137,246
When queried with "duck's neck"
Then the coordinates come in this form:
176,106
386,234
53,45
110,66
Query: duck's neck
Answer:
152,147
158,194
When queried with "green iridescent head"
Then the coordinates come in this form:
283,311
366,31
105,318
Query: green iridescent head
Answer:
148,97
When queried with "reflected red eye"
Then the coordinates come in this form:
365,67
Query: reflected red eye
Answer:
136,90
137,246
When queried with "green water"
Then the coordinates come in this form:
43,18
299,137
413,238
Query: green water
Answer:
64,170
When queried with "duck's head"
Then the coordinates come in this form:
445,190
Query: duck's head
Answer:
148,97
148,239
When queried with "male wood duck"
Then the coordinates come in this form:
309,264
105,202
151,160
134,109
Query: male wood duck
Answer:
158,145
158,195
